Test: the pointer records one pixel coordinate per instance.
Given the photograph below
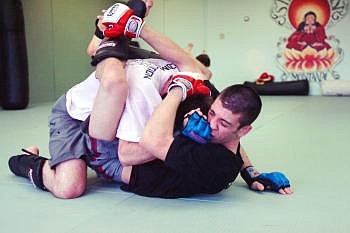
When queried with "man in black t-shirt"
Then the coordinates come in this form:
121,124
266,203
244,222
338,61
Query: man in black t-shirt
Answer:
184,167
188,169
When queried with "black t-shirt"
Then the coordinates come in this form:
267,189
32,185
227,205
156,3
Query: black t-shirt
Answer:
189,168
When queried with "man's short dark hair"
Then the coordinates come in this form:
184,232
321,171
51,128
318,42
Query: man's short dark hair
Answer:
192,102
204,59
243,100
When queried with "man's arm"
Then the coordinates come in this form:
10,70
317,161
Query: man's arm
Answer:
94,42
158,134
244,156
131,153
247,163
96,38
256,185
172,52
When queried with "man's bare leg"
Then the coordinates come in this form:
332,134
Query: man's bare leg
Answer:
110,99
67,180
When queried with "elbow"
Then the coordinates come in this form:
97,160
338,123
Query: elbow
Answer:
123,159
146,143
158,147
189,64
146,139
124,154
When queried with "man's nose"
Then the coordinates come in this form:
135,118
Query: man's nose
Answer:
213,123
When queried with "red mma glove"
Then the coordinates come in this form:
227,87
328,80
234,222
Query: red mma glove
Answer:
190,84
119,20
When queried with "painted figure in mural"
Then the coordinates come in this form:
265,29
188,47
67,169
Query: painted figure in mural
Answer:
309,33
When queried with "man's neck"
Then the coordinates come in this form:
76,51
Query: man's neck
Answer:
232,145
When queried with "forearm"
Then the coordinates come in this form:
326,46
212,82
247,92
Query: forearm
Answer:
131,153
204,70
245,158
158,134
169,50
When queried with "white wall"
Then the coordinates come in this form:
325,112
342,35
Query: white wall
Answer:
57,33
240,50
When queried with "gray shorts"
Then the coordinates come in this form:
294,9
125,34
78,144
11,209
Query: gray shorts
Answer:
69,140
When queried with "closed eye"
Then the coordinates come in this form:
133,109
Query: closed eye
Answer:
224,124
211,113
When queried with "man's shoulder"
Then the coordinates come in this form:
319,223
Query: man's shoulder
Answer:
185,143
149,61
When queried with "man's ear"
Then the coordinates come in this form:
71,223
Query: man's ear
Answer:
244,130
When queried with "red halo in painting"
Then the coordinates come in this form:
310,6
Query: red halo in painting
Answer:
298,8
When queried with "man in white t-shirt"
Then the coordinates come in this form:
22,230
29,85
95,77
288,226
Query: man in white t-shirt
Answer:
147,82
72,149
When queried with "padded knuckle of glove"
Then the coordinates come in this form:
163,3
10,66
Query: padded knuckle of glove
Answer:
273,181
115,13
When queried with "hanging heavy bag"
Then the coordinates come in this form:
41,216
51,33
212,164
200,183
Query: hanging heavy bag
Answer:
13,56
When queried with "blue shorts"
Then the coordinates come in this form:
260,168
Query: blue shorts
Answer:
104,159
69,140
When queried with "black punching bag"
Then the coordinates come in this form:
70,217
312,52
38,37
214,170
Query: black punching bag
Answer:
14,85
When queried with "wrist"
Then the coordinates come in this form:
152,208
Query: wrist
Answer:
178,89
176,92
98,33
144,31
249,174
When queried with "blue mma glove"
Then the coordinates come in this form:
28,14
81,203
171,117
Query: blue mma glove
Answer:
272,181
197,129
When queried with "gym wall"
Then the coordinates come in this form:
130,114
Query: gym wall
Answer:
57,34
239,36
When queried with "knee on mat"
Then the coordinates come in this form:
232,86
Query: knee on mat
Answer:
69,191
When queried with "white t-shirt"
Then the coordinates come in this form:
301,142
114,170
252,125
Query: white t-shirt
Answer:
146,78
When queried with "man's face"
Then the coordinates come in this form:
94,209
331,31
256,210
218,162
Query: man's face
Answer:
224,123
